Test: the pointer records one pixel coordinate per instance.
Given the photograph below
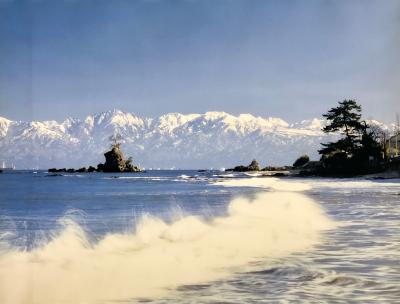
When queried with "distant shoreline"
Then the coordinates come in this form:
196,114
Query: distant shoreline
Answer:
248,174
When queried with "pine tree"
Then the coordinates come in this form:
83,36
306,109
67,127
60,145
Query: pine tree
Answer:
359,150
345,119
115,140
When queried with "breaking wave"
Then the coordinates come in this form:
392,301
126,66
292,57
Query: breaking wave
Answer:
295,185
266,182
159,257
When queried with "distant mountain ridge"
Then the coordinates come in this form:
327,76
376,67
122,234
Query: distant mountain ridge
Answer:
174,140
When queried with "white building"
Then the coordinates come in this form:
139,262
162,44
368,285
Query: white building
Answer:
393,145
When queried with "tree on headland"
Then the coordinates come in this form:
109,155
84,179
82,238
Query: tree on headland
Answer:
359,150
371,142
115,140
345,119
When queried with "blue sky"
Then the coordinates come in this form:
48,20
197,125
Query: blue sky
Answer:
289,59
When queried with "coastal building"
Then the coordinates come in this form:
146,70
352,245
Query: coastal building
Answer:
393,146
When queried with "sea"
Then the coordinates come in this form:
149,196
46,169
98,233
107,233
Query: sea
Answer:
197,237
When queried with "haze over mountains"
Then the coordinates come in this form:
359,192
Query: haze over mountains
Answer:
210,140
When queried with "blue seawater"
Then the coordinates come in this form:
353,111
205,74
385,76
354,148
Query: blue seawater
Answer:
357,260
34,203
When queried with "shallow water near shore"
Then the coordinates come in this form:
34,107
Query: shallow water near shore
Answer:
190,237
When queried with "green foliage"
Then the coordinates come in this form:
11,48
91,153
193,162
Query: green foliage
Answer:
345,119
358,151
129,161
370,139
115,140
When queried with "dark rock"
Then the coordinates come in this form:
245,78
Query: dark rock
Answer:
238,169
269,168
54,170
129,167
301,161
254,166
100,167
115,161
279,174
132,169
311,168
312,165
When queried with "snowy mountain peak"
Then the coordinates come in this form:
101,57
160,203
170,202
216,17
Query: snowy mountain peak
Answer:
213,139
172,121
310,124
4,120
4,125
388,128
214,115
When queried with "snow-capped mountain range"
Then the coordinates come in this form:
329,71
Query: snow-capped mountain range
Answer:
210,140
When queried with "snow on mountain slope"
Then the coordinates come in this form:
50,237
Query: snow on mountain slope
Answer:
4,125
213,139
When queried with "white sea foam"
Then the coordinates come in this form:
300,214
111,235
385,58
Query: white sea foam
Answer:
266,182
312,183
161,256
364,184
229,175
152,178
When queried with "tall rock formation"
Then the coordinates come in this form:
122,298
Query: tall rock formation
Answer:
115,161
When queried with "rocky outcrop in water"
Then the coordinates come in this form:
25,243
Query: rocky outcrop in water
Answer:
254,166
301,161
115,162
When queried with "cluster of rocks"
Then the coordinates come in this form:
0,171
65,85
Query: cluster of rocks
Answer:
271,168
254,166
80,170
301,161
115,162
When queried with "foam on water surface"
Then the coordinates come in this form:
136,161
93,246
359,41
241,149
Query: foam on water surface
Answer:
277,245
296,184
159,256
